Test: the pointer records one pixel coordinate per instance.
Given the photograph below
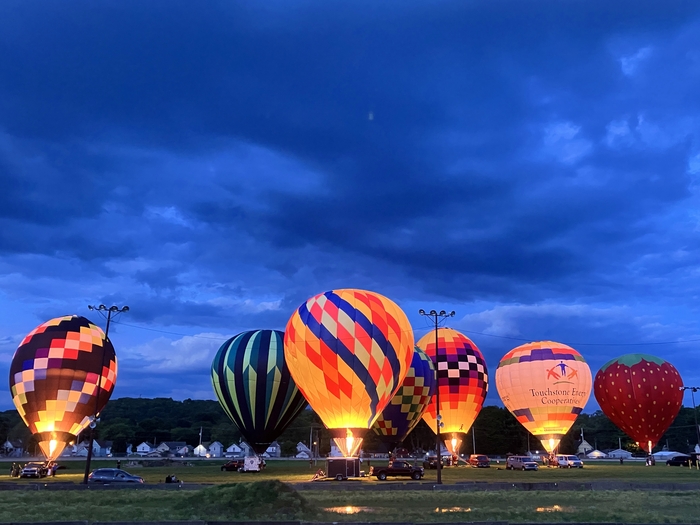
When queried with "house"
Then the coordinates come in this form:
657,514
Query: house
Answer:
216,450
596,454
13,449
129,449
100,448
584,447
274,450
144,448
619,454
234,451
200,451
303,451
246,448
173,448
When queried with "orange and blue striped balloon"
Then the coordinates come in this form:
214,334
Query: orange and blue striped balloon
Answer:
348,352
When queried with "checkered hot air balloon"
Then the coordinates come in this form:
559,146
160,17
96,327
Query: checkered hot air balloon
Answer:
462,383
54,378
641,394
545,385
348,351
254,387
405,409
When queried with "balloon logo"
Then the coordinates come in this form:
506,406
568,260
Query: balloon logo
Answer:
462,384
254,387
545,385
54,377
641,394
348,352
405,409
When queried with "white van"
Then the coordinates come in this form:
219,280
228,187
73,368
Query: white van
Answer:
569,462
521,463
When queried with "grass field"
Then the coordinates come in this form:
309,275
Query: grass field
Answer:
209,471
233,496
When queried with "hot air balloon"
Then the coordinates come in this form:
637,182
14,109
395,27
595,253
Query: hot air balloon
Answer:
462,384
54,376
545,385
253,385
641,394
348,351
407,406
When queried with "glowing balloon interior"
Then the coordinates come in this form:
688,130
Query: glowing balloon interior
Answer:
406,408
462,383
254,387
54,377
348,352
641,394
545,385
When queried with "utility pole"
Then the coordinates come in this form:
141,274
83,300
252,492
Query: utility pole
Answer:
112,311
436,318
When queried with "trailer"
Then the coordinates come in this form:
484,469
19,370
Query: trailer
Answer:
342,469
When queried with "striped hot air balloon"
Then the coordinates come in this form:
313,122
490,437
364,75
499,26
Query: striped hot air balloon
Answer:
462,382
348,351
254,387
54,378
545,385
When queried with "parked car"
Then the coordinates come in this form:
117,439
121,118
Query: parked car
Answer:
112,475
34,470
479,460
521,463
431,462
397,468
681,460
234,465
569,462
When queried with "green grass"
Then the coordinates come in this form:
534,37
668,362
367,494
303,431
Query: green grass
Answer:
208,471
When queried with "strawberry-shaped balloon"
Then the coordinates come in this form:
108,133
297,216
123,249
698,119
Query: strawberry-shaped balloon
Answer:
641,394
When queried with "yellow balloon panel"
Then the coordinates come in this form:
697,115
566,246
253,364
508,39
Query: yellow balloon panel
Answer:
348,351
545,385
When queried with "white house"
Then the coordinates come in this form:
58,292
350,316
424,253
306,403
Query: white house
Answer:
584,447
619,453
303,451
596,454
234,450
200,451
144,448
129,449
13,449
216,450
274,450
100,449
173,448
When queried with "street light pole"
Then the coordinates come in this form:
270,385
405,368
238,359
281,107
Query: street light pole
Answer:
694,389
111,311
435,317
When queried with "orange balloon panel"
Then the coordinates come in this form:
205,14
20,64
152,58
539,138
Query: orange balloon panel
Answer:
54,378
348,351
545,385
462,381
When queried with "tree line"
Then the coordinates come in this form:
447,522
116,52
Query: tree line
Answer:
495,432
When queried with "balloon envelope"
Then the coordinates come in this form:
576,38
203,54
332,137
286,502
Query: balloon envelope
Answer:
545,385
462,384
348,351
641,394
54,377
407,406
253,385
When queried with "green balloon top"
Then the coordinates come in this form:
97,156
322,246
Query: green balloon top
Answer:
632,359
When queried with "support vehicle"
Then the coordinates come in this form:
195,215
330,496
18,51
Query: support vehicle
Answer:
397,468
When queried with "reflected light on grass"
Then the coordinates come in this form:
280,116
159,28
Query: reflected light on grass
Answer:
349,509
453,509
553,508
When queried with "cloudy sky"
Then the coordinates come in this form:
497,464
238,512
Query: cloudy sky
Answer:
532,165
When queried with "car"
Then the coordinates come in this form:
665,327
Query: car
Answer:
521,463
397,468
479,460
112,475
34,470
233,465
681,460
431,461
569,462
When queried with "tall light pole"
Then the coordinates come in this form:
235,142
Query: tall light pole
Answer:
435,317
111,311
694,389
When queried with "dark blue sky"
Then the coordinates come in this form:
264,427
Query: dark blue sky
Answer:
532,165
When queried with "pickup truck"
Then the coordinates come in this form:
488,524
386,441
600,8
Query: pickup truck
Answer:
397,468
